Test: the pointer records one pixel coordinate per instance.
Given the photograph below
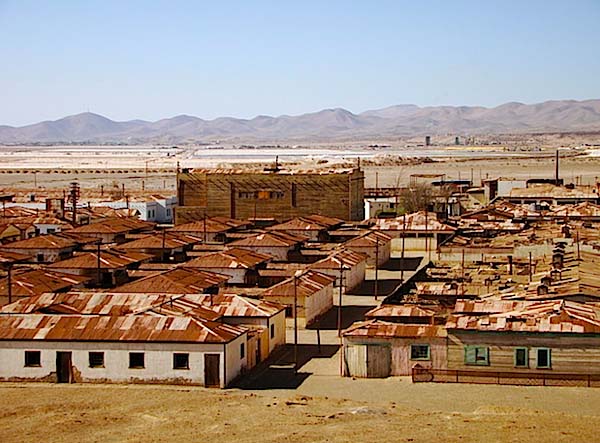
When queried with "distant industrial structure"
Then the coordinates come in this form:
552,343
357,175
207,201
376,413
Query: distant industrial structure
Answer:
271,193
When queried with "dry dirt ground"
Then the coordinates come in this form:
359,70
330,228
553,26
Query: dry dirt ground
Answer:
136,182
97,413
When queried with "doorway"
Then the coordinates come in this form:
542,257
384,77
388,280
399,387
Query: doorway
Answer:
64,373
212,370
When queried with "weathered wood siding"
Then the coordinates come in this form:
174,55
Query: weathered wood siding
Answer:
283,196
401,363
570,353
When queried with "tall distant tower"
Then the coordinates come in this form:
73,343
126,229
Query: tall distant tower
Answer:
456,140
428,140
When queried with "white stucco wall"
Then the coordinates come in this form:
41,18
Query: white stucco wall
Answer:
158,361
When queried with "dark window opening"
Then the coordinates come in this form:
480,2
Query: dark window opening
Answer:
521,360
419,352
543,358
272,331
181,361
136,360
242,350
96,359
33,358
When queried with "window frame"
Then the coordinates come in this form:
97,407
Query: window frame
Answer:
181,355
548,357
420,345
475,350
28,364
526,363
143,366
95,353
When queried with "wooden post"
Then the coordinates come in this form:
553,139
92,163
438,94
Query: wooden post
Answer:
339,319
9,283
402,253
164,240
376,266
99,262
295,324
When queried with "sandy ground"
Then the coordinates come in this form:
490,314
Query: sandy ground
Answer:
427,413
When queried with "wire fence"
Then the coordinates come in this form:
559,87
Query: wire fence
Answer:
517,378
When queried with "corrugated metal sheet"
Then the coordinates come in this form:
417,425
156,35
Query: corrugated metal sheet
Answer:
144,328
231,258
269,239
108,260
379,328
556,316
415,222
307,284
49,241
176,281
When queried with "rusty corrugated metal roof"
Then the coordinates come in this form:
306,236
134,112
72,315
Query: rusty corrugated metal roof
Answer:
404,310
176,281
108,260
417,221
307,284
38,281
132,328
556,316
113,226
383,329
269,239
343,257
232,258
48,241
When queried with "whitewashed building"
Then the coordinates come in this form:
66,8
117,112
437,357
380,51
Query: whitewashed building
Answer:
120,349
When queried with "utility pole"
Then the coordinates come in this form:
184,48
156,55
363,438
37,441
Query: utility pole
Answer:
99,262
376,266
163,246
402,252
339,319
204,227
9,283
296,322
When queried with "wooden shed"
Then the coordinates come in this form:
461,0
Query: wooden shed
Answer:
378,349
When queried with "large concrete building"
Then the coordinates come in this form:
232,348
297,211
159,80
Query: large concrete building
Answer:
277,193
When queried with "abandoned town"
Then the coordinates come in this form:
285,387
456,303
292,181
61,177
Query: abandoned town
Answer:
300,221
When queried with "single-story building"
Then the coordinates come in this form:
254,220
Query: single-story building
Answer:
107,269
43,249
312,290
550,336
120,349
276,244
372,244
378,349
350,264
241,265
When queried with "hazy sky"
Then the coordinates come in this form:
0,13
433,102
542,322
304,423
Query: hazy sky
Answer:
149,60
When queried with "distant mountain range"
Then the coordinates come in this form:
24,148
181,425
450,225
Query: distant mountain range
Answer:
328,124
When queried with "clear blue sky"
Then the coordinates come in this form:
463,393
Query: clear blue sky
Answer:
150,60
